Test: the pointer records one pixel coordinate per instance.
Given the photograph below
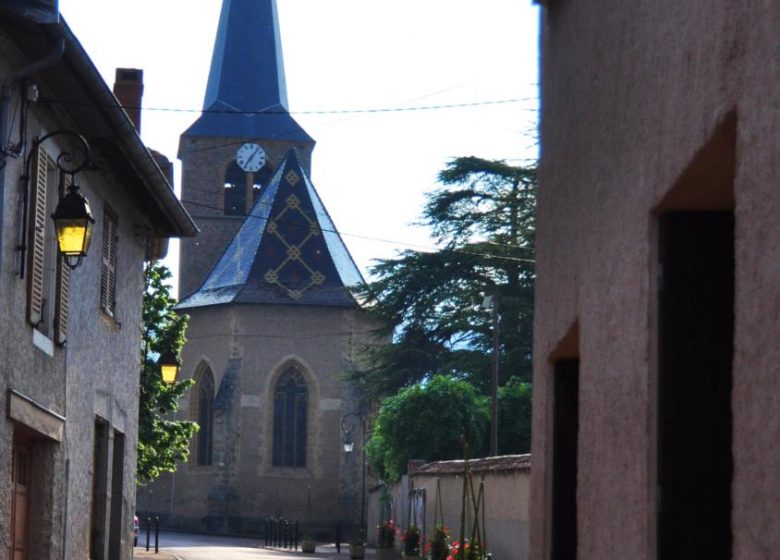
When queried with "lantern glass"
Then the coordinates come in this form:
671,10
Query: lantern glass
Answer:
169,372
349,445
74,236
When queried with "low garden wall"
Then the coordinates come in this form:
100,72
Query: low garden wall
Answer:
506,498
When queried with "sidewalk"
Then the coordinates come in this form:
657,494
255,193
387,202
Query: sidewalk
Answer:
323,549
139,552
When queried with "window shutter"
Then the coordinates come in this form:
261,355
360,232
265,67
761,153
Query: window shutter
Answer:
63,291
37,237
108,265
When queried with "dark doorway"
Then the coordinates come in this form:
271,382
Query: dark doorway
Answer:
97,535
117,528
696,321
564,483
21,469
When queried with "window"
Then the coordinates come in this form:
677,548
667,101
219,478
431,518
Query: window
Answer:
205,417
243,188
48,276
291,399
108,264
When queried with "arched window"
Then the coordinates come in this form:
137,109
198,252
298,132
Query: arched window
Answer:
242,188
291,399
205,417
235,191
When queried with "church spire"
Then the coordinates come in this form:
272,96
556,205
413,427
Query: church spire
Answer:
247,70
246,93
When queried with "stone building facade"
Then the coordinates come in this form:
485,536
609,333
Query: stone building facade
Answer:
70,338
273,326
655,385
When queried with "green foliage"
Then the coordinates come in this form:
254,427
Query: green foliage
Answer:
428,420
483,221
163,443
514,417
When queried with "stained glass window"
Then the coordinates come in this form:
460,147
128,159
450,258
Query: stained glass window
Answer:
205,417
291,399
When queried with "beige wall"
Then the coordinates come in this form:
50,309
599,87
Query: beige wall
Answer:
631,92
507,500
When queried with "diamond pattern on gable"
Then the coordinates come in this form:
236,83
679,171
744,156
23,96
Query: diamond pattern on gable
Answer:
292,178
293,202
286,251
296,222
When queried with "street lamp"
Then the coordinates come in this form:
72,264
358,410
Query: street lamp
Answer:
348,424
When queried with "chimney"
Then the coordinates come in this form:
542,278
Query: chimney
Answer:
129,89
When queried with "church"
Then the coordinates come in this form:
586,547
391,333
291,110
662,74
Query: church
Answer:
273,326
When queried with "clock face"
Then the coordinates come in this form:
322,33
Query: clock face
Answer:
250,157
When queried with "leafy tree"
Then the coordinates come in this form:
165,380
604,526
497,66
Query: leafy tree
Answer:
514,417
162,442
427,420
482,219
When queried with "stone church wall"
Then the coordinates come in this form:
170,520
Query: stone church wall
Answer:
247,347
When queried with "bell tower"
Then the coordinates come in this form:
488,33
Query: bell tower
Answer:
273,324
232,150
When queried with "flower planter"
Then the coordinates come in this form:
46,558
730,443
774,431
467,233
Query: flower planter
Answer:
386,553
409,557
308,546
357,551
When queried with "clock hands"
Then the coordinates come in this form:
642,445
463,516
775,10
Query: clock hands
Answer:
251,157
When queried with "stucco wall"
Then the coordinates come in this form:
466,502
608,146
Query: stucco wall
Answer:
630,93
94,376
507,501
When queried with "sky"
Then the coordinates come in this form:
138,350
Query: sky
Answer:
390,91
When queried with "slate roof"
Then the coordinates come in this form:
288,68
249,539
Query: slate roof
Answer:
246,93
287,251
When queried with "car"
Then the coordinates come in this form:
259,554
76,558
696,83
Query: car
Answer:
136,528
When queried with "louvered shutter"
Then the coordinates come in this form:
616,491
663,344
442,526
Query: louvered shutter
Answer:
108,264
37,238
63,292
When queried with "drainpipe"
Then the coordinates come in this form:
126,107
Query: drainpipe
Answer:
5,103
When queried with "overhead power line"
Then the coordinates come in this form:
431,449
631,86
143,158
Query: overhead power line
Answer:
383,240
435,107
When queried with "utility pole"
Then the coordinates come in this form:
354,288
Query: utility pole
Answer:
492,303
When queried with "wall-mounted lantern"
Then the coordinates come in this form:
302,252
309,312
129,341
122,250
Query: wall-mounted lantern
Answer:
72,217
73,221
169,366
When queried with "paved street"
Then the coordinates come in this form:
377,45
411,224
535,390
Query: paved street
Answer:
181,546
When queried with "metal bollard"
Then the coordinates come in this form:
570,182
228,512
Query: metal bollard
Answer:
295,536
148,531
156,535
338,537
